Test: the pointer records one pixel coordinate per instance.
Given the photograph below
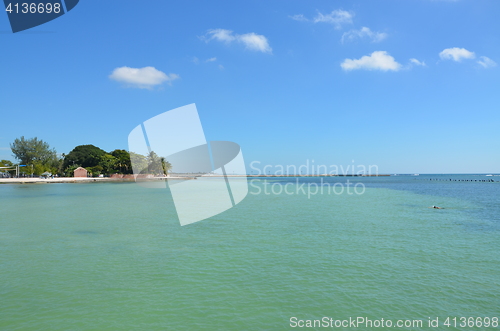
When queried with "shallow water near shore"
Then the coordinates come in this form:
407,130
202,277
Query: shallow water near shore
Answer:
109,256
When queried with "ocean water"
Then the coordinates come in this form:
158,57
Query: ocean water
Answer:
112,256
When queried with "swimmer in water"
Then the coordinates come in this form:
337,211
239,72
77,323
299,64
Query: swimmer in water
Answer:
436,207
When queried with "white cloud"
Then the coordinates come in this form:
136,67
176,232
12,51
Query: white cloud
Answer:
255,42
212,59
486,62
417,62
378,60
337,17
196,60
456,54
222,35
252,41
221,67
146,77
362,33
299,18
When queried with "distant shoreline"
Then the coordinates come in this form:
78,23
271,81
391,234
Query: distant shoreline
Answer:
36,180
59,180
75,180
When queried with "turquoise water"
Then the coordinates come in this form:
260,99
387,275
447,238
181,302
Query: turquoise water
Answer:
105,256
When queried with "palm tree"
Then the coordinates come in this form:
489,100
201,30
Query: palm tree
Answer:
154,163
167,166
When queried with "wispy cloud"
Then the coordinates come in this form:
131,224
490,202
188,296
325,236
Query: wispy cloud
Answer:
417,62
251,41
146,77
456,54
378,60
212,59
486,62
364,32
337,18
299,17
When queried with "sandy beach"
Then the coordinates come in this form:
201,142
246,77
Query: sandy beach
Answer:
37,180
60,180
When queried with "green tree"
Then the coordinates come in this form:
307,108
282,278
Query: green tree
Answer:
84,155
30,151
6,163
123,162
108,163
139,162
95,171
38,169
54,165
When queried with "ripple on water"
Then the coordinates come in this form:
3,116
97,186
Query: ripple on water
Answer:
114,257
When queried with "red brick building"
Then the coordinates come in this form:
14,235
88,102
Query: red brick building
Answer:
80,172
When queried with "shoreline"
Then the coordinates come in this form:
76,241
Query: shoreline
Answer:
75,180
58,180
62,180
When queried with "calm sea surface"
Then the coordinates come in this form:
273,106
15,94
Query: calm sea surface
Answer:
106,256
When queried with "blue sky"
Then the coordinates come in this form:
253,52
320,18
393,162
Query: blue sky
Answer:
411,86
